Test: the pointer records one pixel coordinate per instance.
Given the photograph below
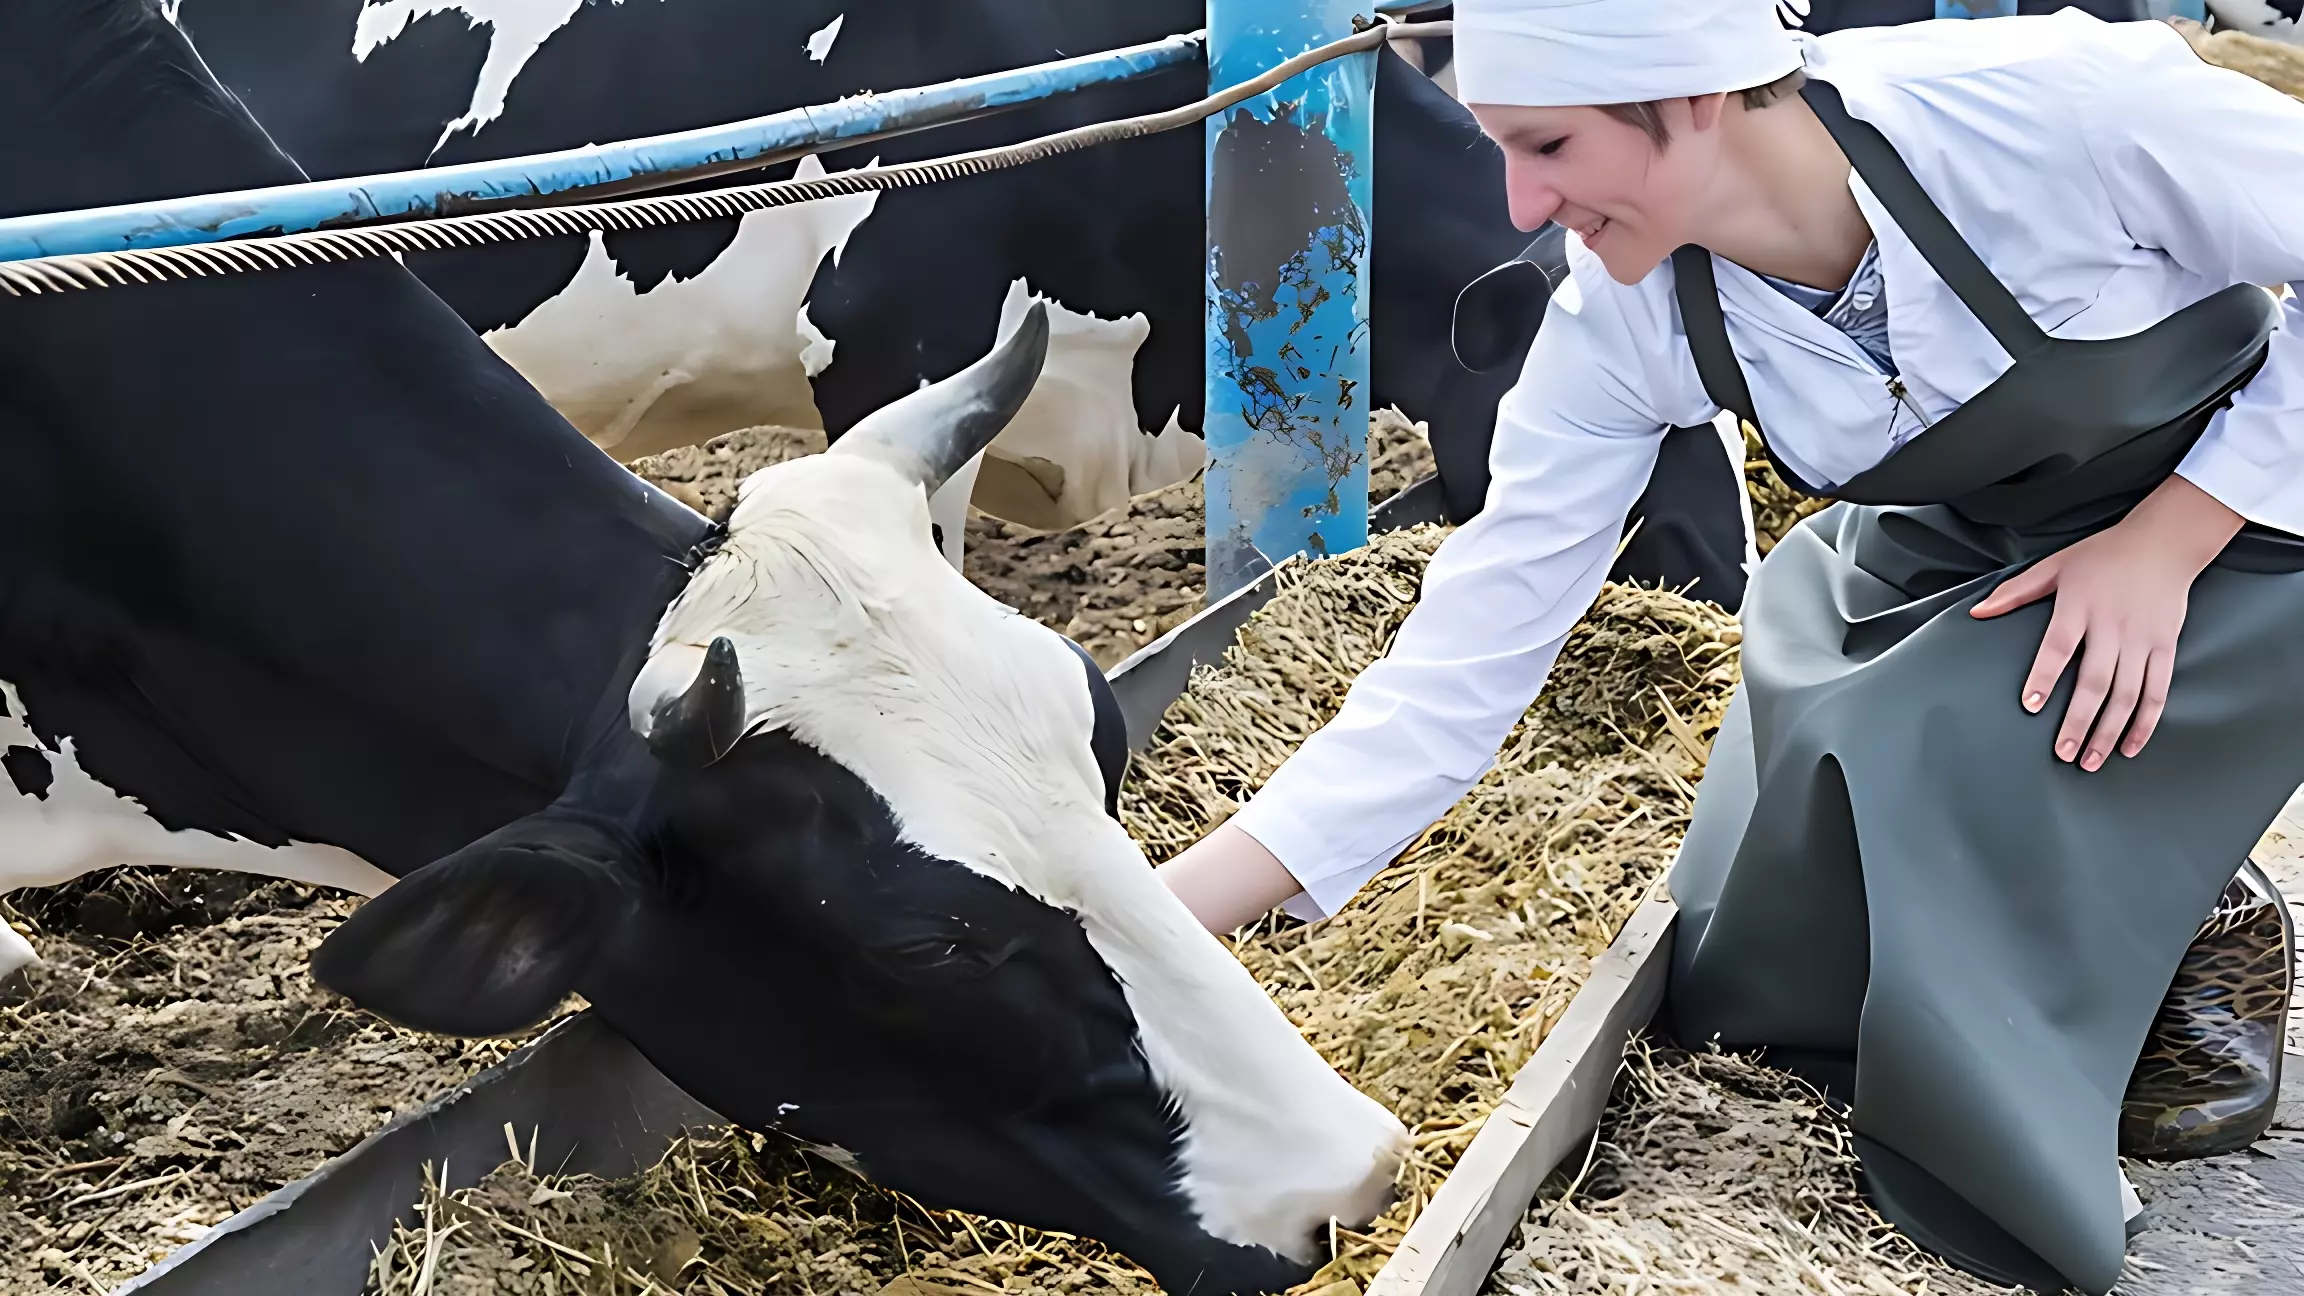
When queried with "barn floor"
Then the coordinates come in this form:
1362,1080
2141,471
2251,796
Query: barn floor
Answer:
169,1061
2234,1225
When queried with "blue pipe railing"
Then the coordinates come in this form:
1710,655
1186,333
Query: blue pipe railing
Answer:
631,165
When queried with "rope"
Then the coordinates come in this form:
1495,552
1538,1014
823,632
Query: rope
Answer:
85,270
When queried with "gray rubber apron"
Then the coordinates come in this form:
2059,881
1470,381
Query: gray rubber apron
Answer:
1890,882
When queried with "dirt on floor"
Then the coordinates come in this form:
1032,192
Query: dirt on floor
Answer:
170,1061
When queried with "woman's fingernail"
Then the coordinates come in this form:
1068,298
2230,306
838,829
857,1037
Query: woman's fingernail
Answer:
2094,762
2032,701
2065,749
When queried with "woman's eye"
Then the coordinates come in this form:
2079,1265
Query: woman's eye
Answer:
1548,149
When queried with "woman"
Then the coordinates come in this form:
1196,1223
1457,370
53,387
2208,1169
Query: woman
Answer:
1991,283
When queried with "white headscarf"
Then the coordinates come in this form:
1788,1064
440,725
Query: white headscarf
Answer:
1556,53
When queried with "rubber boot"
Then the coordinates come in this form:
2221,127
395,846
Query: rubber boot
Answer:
2208,1080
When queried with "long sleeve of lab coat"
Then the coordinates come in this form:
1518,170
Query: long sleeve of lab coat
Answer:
2207,166
1575,443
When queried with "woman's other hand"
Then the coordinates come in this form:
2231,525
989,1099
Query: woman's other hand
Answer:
2121,596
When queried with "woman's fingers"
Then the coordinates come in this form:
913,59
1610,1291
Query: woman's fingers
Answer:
2097,666
2157,672
2056,647
2028,586
2119,705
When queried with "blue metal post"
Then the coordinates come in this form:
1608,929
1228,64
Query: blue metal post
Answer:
1975,8
1289,229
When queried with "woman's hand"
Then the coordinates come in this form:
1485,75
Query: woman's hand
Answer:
2121,592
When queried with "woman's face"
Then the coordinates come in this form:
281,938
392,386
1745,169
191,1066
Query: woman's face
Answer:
1604,179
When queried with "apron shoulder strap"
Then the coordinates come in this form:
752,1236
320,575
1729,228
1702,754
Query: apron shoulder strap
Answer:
1707,329
1700,318
1925,224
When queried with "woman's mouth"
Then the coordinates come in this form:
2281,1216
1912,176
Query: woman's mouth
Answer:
1591,232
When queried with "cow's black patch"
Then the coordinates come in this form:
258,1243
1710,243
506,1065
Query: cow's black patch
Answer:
28,769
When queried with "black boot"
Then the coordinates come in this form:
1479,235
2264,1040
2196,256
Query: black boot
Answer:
2208,1080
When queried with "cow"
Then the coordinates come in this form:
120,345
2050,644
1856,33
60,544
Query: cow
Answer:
297,576
826,311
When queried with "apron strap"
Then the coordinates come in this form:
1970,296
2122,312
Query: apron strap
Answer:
1922,221
1716,367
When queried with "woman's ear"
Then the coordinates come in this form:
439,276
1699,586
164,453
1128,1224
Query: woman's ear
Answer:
1705,110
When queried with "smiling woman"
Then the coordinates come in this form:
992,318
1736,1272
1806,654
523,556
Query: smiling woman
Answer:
1971,806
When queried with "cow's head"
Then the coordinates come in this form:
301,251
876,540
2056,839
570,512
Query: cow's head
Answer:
869,888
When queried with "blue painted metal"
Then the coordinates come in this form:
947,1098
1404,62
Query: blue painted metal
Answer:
1289,228
632,165
1975,8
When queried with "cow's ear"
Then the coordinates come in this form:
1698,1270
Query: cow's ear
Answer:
490,939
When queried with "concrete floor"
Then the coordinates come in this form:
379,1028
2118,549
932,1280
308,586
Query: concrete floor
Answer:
2234,1226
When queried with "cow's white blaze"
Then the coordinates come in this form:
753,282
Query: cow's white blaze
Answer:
78,824
516,30
972,723
1076,449
688,360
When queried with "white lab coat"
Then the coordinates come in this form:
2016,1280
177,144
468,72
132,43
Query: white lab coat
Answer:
2102,171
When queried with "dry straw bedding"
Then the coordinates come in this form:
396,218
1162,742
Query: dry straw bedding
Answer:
1429,991
1715,1174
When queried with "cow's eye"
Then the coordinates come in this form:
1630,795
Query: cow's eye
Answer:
941,956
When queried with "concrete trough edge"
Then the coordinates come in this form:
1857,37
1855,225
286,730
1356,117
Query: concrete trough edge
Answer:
580,1095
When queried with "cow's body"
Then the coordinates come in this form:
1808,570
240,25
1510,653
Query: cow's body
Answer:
295,571
669,336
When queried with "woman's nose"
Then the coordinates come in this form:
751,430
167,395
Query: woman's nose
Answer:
1532,201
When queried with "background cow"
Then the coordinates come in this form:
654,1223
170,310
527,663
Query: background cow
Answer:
297,576
664,337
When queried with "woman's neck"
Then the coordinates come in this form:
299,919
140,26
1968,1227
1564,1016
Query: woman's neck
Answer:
1780,203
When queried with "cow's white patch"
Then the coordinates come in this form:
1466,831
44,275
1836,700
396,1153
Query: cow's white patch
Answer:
972,722
1076,450
816,350
516,30
820,40
76,824
640,373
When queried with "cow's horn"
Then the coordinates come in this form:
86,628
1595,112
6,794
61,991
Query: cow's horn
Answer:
697,726
934,432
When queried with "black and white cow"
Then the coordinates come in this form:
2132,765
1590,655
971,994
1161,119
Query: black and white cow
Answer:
298,577
833,309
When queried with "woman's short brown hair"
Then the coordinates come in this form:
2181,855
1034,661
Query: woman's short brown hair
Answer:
1650,119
